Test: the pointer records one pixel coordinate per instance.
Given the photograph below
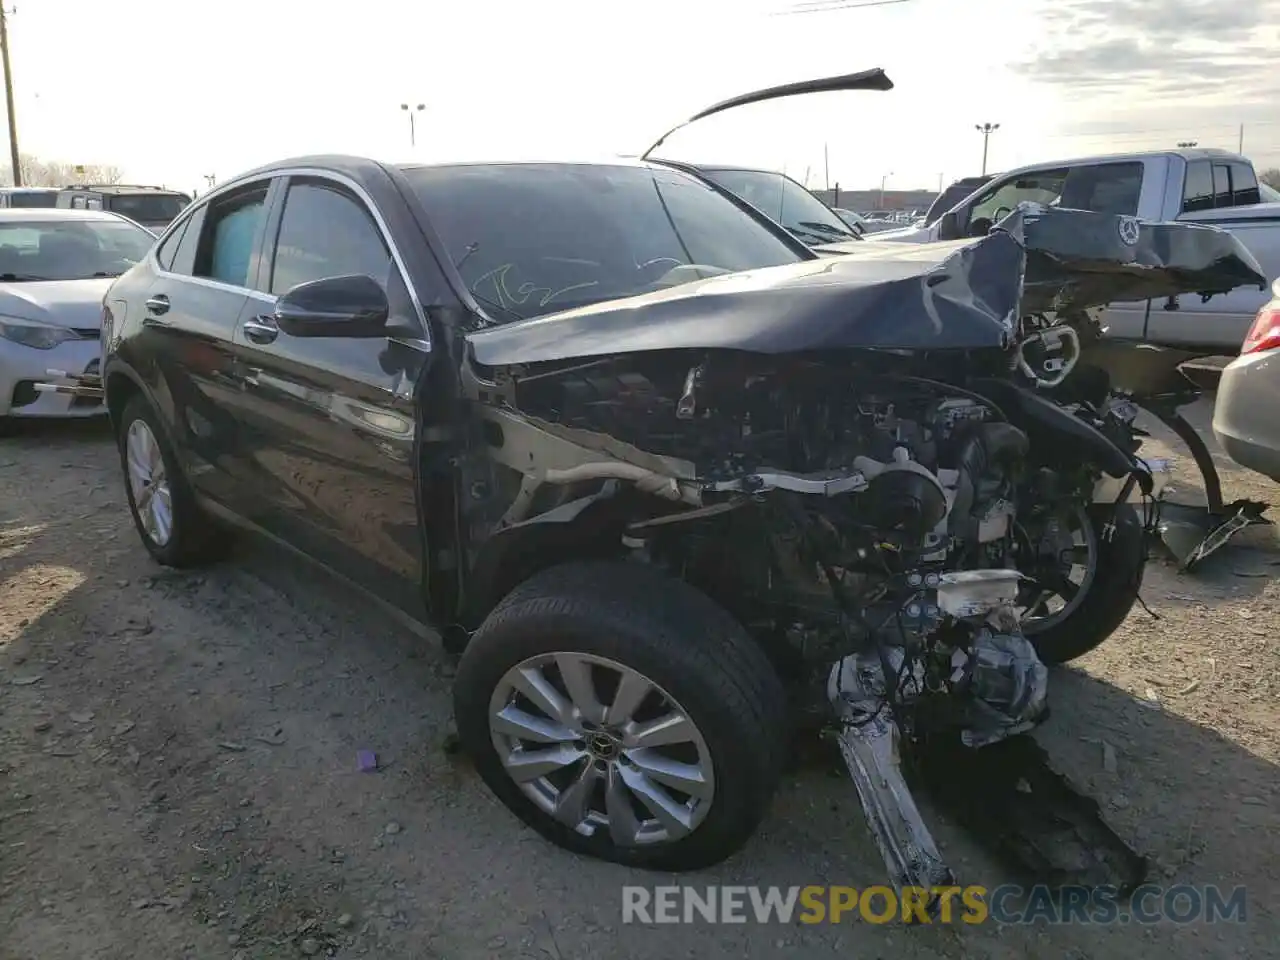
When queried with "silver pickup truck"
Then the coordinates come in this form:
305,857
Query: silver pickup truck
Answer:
1198,185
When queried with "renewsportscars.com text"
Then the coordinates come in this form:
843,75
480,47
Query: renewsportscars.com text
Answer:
1008,904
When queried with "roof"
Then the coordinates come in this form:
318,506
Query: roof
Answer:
54,214
29,189
122,188
1186,153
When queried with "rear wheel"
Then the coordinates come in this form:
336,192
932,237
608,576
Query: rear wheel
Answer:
1088,571
173,527
623,715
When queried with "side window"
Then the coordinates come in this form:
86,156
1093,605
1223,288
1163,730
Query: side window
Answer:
93,203
326,232
1197,193
227,240
1244,185
168,248
1103,188
1041,186
1221,185
184,258
77,203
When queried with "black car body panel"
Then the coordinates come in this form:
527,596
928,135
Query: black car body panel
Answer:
1077,259
959,295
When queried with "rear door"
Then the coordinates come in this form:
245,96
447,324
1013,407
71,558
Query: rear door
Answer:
327,443
190,314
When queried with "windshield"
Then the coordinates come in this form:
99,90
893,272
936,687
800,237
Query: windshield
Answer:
69,249
786,202
1268,193
33,198
148,207
532,238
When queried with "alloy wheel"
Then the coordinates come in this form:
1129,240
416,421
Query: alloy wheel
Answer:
602,748
149,482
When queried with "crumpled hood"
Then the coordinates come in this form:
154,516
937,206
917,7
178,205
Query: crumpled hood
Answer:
1078,259
958,295
953,295
63,303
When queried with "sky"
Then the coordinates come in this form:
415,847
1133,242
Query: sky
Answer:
172,92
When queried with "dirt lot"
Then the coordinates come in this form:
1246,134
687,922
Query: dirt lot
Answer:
178,767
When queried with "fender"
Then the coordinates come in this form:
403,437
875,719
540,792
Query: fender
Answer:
590,525
1067,437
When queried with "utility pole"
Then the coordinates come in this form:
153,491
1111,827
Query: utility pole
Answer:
883,181
826,168
939,183
413,137
1240,146
210,179
8,97
986,129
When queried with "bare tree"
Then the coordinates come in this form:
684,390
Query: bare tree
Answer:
54,173
1271,177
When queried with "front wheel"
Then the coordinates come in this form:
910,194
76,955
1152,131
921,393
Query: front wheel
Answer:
1088,569
623,715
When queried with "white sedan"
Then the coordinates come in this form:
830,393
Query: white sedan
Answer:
55,268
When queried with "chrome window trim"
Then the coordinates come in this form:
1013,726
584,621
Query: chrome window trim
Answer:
319,174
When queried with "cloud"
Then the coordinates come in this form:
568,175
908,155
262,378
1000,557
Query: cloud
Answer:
1192,63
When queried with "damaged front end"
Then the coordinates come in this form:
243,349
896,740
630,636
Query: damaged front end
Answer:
1079,260
797,445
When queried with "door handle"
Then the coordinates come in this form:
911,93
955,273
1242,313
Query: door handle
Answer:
261,329
158,304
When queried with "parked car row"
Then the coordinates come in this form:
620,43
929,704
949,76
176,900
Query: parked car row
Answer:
153,207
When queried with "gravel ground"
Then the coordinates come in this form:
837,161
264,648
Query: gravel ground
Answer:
178,767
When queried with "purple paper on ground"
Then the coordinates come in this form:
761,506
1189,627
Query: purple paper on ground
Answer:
366,761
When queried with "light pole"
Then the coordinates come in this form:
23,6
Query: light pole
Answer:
986,129
883,181
413,137
8,97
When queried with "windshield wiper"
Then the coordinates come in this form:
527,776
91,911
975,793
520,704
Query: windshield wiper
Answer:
809,237
826,228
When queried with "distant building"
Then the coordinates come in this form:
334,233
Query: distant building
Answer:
859,200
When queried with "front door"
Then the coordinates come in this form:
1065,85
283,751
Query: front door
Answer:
328,422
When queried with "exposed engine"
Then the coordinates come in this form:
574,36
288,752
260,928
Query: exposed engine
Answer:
836,511
861,525
890,546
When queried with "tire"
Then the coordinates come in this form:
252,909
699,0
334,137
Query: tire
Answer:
194,538
631,616
1114,589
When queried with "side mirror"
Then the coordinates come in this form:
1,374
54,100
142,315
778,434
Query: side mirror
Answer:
355,307
949,226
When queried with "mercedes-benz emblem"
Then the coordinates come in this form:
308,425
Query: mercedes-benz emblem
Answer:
1129,230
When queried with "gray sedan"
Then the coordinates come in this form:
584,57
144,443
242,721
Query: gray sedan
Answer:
1245,418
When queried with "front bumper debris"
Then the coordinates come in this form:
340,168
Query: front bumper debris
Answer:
87,386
